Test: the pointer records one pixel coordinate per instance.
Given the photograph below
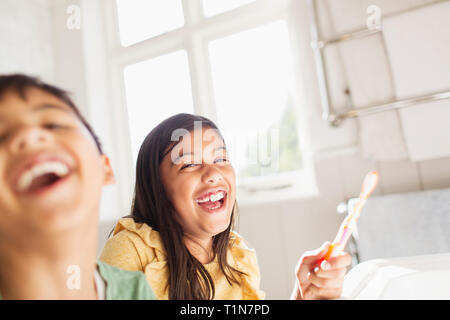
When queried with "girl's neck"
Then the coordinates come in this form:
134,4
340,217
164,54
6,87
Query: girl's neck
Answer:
53,267
201,249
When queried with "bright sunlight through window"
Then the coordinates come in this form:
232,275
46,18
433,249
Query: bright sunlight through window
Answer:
214,7
143,19
252,78
155,90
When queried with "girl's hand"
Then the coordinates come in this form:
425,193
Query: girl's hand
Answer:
320,282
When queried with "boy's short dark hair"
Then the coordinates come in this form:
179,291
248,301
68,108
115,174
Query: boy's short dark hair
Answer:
19,83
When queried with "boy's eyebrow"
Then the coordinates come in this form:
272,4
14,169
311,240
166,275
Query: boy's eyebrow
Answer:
45,106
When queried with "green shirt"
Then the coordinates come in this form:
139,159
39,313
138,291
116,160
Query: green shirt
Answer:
123,284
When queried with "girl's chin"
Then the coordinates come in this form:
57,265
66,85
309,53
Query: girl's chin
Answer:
216,230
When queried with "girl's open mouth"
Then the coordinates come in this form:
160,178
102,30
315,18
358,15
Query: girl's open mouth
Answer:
213,201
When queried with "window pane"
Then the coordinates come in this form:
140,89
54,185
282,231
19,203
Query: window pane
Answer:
142,19
252,77
213,7
155,90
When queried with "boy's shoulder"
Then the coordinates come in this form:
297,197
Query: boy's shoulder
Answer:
125,285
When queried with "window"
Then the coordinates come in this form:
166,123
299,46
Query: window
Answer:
251,73
237,69
150,86
142,19
214,7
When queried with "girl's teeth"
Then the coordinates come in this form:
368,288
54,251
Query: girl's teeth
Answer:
212,198
217,207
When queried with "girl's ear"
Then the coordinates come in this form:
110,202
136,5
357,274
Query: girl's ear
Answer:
109,173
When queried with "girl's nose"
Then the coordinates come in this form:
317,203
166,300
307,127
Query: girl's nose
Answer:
212,175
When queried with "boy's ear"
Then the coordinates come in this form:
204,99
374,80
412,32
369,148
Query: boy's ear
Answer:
109,173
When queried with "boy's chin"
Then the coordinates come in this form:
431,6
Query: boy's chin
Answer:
56,221
57,215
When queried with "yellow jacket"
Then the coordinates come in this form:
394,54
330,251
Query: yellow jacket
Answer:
136,247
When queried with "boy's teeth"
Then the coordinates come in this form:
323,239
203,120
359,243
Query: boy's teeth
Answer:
55,167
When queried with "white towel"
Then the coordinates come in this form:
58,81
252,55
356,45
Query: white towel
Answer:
418,45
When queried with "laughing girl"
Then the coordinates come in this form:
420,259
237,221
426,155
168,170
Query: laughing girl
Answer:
180,231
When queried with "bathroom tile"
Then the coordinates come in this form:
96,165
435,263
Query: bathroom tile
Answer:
435,173
399,176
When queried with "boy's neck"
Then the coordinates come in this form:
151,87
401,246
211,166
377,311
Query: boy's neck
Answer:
56,267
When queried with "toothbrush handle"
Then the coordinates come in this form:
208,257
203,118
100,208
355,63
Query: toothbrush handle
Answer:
339,242
344,233
329,253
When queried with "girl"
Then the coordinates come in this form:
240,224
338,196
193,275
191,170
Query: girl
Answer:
180,233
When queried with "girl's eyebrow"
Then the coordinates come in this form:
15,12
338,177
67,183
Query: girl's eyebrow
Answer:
181,155
220,148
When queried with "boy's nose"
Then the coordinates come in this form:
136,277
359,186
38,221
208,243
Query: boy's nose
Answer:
29,138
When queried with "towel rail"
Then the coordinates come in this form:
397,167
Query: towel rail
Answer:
351,36
393,105
318,46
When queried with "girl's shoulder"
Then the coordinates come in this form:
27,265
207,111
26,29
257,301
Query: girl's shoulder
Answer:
133,241
138,232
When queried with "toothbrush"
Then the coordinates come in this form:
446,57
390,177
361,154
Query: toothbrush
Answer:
347,226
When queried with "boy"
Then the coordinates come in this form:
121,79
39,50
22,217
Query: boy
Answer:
52,171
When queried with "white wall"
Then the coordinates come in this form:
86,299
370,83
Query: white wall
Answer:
69,59
26,38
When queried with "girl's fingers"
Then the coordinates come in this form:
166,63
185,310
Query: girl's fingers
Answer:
327,282
308,260
314,292
341,261
329,274
311,257
324,281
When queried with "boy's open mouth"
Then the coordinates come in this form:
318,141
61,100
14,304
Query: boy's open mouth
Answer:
42,176
212,201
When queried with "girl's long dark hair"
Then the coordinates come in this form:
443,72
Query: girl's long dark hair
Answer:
188,278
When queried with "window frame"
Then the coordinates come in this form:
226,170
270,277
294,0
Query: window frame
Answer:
194,37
